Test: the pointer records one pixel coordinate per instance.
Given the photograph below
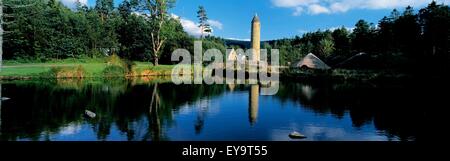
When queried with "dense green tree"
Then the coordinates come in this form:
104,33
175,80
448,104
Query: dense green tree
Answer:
39,30
104,8
156,12
386,41
341,41
177,38
18,27
362,37
407,32
125,9
134,37
435,23
108,42
326,46
1,35
93,32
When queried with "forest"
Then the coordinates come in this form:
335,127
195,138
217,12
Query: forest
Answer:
43,30
405,40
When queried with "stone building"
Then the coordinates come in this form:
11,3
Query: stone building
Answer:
256,38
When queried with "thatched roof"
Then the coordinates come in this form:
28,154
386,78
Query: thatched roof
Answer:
351,59
232,56
311,61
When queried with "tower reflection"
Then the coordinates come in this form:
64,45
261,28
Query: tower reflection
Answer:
253,104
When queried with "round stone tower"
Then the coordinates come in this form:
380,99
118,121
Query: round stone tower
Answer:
256,37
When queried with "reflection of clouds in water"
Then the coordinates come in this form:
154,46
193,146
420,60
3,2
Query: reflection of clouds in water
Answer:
185,109
202,105
70,129
312,134
316,133
375,138
308,91
324,133
280,135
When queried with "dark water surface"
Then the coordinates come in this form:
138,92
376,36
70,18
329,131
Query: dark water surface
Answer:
156,109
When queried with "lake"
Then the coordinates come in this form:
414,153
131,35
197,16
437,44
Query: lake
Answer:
155,109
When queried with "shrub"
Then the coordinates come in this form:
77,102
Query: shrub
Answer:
65,72
115,60
114,71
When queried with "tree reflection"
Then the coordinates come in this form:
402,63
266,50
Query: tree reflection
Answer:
40,109
1,108
154,120
392,107
203,107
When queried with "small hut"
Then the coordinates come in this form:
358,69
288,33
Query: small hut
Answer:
311,61
232,56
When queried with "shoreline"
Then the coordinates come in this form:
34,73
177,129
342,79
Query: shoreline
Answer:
105,70
335,75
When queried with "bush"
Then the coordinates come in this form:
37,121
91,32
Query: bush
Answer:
65,72
115,60
114,71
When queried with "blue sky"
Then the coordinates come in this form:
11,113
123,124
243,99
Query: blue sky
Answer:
282,18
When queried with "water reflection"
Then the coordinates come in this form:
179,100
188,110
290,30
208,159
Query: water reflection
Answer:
155,109
1,100
154,121
253,104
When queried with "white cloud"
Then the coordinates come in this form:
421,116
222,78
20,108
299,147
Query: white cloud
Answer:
293,3
317,9
298,11
216,24
302,31
345,5
70,129
192,28
71,3
338,6
350,29
238,39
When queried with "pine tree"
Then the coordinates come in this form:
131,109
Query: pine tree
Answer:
203,21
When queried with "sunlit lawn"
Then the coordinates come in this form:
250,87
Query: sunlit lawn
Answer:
92,68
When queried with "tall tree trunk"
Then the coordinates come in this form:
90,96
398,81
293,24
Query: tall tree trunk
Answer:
201,30
157,43
155,61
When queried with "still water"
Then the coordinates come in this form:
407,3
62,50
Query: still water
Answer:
155,109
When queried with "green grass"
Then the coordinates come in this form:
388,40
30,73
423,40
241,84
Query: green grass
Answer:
141,66
23,71
34,69
92,67
68,60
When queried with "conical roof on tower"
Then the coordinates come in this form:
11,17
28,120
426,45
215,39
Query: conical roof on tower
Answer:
255,18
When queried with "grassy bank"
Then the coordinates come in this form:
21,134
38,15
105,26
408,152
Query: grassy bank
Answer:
115,67
72,68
